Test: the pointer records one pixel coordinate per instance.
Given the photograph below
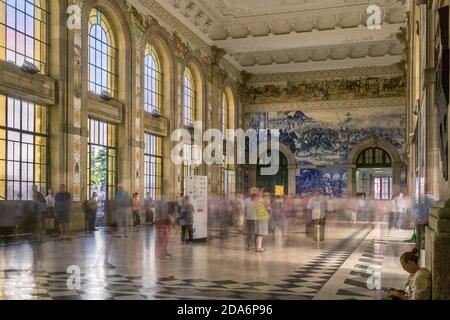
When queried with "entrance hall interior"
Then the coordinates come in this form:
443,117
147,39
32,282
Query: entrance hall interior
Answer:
136,136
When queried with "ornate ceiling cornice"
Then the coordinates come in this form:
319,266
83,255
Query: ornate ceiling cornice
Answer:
370,103
351,73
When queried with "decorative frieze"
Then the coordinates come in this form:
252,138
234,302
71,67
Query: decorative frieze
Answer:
174,24
328,105
352,73
322,90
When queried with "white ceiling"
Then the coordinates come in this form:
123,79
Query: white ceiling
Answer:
266,36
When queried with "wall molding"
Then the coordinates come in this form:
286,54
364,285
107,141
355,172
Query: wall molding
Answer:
328,105
349,73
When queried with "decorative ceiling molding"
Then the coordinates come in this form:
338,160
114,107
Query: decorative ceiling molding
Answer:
324,65
388,102
293,34
169,21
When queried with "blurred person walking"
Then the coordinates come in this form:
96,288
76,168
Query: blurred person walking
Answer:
50,204
399,205
40,211
63,205
149,209
318,206
136,209
261,208
91,211
250,217
122,205
240,205
186,221
163,226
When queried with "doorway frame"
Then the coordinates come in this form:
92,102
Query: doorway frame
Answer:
374,142
291,166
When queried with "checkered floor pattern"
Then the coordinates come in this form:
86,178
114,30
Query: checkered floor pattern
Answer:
355,286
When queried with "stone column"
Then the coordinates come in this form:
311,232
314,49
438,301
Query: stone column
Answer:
292,185
351,182
437,249
75,129
396,178
178,120
217,82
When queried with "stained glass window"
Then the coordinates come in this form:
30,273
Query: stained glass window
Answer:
23,148
152,80
23,32
102,55
189,98
153,166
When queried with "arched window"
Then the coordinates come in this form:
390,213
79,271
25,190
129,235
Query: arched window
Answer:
152,81
189,98
374,157
23,32
153,166
102,55
225,113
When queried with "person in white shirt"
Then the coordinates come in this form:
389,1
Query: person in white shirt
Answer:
418,286
50,204
399,211
318,207
250,218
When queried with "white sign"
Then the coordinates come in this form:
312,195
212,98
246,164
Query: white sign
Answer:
197,190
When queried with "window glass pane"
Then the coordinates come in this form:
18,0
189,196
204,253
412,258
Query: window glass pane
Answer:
22,32
102,54
189,98
152,166
22,150
152,80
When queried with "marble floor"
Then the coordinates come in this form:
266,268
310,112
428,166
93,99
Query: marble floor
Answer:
346,265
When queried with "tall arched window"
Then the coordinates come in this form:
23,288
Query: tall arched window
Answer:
152,80
225,113
189,98
102,55
23,32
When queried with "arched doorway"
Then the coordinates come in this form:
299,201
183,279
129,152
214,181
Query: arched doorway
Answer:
374,174
374,169
287,157
280,179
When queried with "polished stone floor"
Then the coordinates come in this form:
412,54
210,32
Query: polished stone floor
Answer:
342,267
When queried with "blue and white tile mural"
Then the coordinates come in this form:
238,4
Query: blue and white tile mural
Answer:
330,181
327,137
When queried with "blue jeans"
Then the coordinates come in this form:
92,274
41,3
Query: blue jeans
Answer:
137,218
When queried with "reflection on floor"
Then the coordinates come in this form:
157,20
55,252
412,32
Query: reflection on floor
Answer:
345,266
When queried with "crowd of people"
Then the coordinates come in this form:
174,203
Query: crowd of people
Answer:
257,214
